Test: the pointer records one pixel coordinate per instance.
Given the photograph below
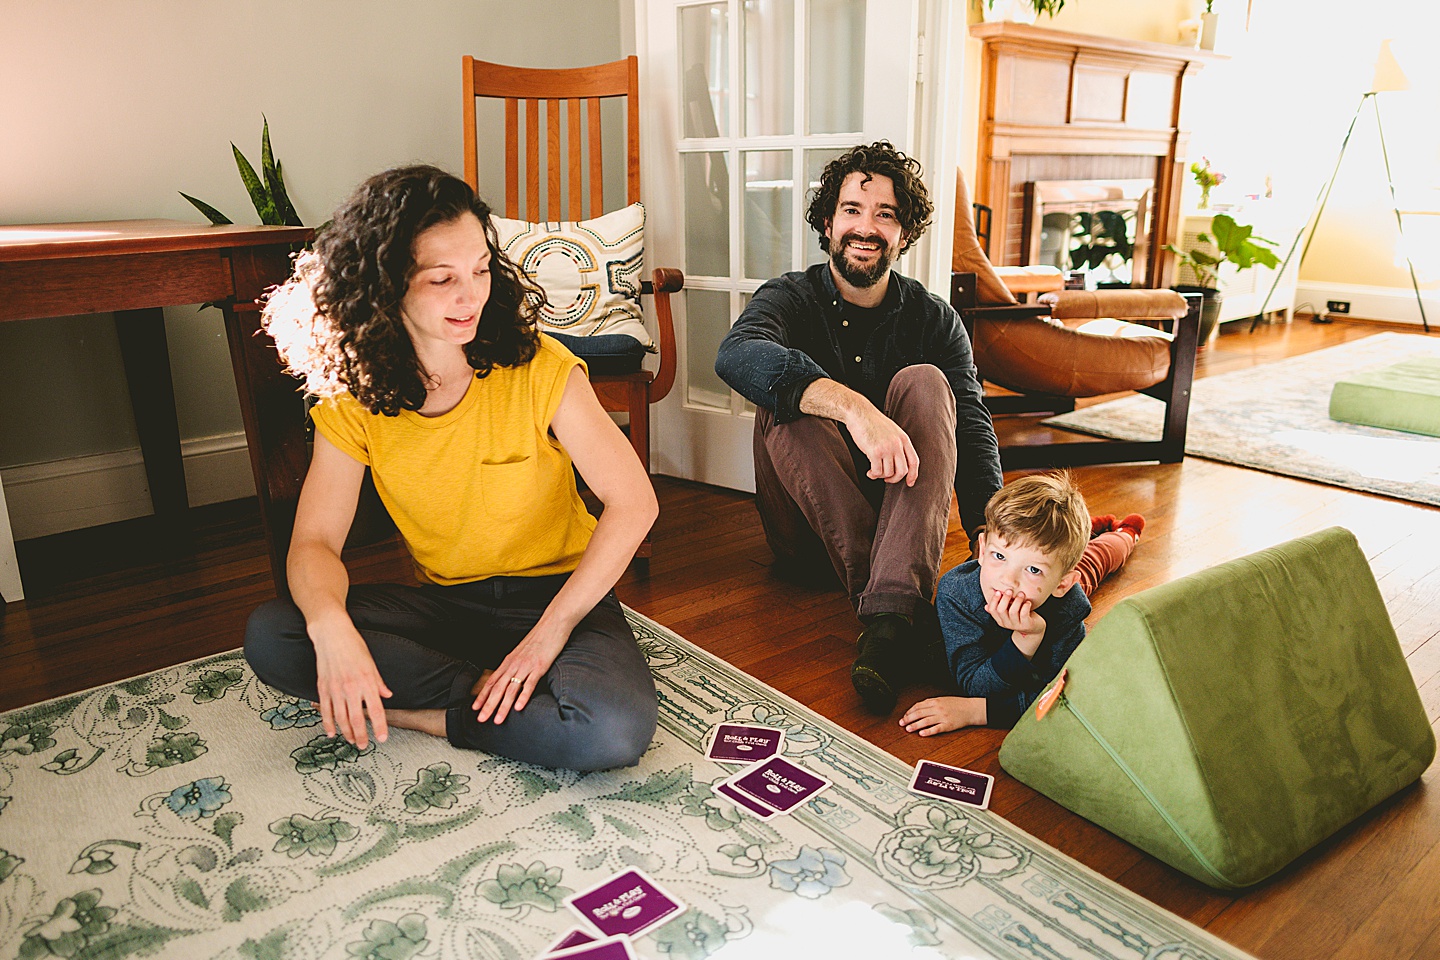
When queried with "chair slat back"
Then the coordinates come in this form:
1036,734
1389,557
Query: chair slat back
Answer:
566,94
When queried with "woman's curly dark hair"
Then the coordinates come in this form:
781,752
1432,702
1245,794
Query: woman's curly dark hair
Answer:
337,321
876,159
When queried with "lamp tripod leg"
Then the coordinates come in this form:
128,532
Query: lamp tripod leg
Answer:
1399,221
1314,219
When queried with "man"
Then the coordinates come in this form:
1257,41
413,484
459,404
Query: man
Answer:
868,412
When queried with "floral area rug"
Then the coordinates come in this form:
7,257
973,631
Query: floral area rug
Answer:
195,812
1276,418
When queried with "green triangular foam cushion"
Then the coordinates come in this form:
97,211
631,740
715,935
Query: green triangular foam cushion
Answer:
1230,720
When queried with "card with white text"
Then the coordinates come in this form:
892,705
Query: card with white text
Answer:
611,948
779,783
744,743
952,783
628,903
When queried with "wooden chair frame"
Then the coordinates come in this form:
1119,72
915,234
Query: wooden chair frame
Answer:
528,88
1174,391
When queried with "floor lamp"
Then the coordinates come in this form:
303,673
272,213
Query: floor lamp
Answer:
1388,77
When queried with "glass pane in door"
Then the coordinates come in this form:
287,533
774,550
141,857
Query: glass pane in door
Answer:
815,161
769,67
767,227
707,321
836,82
705,69
707,214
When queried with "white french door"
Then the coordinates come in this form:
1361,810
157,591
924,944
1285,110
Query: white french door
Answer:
745,101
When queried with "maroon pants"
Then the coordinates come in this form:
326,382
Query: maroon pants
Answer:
883,540
1103,556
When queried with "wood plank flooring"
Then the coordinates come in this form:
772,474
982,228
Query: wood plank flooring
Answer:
106,604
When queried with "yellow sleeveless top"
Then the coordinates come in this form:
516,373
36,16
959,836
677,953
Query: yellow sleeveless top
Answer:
480,491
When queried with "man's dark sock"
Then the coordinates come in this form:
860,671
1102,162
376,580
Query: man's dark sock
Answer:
883,647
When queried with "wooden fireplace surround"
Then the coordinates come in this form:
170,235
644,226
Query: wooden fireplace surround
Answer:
1070,106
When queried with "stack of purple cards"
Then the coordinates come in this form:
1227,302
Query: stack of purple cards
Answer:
771,787
623,907
952,783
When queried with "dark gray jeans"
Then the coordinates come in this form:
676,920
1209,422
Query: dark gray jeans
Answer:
595,708
883,540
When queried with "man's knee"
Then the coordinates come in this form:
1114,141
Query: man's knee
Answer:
920,383
920,399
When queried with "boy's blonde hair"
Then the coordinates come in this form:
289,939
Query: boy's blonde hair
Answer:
1044,511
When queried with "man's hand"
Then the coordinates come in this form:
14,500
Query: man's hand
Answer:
892,456
1014,612
350,686
509,687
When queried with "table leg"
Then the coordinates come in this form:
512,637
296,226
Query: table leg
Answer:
152,395
270,402
10,586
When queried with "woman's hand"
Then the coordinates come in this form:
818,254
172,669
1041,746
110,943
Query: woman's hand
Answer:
350,686
509,687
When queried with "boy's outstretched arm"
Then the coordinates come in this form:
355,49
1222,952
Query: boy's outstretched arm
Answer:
943,714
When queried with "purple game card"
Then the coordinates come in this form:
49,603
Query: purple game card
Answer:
748,803
780,783
952,783
572,939
744,743
627,903
612,948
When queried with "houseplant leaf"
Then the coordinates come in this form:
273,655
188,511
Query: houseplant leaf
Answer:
274,182
259,196
211,214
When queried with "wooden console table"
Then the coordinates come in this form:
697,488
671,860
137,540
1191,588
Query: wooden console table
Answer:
133,268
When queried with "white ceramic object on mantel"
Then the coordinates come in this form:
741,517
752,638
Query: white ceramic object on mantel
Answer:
1014,11
1208,23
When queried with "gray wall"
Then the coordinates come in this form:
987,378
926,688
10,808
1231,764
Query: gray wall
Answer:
108,107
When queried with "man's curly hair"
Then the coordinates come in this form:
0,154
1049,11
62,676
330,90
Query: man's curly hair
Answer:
337,322
876,159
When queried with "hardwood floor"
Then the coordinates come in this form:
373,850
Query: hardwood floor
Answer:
105,604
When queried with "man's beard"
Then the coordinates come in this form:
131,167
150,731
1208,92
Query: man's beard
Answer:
861,276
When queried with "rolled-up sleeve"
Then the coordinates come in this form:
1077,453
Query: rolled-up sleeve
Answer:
756,358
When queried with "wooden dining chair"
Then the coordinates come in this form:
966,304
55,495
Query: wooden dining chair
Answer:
566,95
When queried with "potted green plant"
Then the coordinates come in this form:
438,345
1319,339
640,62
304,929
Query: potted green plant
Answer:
272,203
1207,178
1209,23
1019,11
1227,242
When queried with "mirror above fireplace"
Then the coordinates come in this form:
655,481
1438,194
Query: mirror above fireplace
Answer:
1095,231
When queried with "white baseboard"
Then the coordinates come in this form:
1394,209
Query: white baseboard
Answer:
46,498
1393,304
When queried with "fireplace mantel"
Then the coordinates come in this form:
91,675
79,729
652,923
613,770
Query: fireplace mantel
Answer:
1068,106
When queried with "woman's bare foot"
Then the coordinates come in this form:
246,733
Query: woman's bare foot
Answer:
426,721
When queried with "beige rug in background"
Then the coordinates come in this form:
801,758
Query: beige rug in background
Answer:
1276,418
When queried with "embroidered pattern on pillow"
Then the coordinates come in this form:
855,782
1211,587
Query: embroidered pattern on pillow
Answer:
590,271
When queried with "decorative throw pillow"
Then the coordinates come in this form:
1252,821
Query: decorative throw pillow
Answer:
589,270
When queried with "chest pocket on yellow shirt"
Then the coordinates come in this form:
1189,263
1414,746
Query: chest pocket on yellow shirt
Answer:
510,489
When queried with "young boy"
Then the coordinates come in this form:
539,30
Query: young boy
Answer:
1011,618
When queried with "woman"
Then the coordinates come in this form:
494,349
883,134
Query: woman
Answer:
419,338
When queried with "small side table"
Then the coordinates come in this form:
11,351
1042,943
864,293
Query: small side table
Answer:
133,268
